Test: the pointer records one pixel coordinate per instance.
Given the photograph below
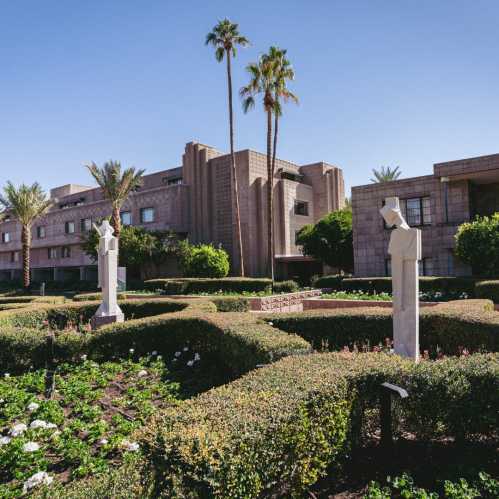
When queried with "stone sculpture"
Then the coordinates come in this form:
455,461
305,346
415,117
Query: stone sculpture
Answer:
405,250
108,311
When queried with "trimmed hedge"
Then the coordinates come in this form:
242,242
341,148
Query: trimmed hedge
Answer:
96,296
4,300
187,286
328,281
289,286
275,431
469,323
231,304
488,289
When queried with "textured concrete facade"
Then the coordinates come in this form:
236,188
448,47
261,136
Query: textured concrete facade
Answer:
196,200
455,193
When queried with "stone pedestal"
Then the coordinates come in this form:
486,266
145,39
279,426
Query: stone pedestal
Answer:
99,321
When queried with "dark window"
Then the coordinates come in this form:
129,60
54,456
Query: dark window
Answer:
14,256
40,232
426,267
416,211
172,180
69,227
388,267
126,217
86,224
301,208
5,237
66,252
146,215
52,253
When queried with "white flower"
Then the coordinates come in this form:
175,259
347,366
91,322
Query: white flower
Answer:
6,375
50,425
130,446
132,350
142,373
178,354
33,407
190,363
84,357
271,323
5,440
31,447
197,357
2,401
18,429
185,349
174,360
42,477
38,423
103,441
159,357
155,352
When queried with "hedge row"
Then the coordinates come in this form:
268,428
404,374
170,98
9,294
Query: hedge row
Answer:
488,289
444,285
234,343
4,300
275,431
187,286
447,327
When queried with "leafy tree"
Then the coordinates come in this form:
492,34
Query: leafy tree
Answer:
204,260
141,251
225,37
386,174
330,240
477,244
25,203
116,186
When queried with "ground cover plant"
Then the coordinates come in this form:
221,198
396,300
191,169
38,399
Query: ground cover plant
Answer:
428,296
85,427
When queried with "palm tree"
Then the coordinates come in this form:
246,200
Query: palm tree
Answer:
225,37
25,203
262,81
116,186
386,174
283,72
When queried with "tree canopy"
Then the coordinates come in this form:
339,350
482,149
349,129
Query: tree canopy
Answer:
386,174
477,244
330,240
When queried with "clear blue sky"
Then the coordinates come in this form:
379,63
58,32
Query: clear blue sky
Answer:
380,82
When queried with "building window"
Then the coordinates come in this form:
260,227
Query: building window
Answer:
416,211
172,181
52,253
388,267
426,267
69,227
146,215
86,224
5,237
66,252
40,232
126,217
14,256
301,208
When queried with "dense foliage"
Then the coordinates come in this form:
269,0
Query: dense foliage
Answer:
330,240
204,260
141,251
477,244
488,289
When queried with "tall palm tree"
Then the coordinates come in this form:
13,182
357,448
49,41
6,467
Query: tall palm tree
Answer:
283,71
225,37
262,82
116,186
25,204
386,174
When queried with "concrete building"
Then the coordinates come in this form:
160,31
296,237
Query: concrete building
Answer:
456,192
196,200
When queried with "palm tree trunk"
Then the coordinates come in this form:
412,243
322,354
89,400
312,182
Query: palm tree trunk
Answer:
276,127
116,222
25,241
270,199
233,170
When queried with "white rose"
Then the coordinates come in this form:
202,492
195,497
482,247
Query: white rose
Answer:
18,429
33,407
31,447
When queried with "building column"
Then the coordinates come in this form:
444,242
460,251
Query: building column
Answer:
82,273
12,274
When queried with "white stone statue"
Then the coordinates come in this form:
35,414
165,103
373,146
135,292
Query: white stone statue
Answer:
109,311
405,250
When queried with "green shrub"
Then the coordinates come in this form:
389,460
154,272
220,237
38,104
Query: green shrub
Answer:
469,324
205,260
276,430
95,297
328,281
286,287
232,304
195,286
488,290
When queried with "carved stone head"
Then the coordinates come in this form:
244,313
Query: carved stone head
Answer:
392,214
